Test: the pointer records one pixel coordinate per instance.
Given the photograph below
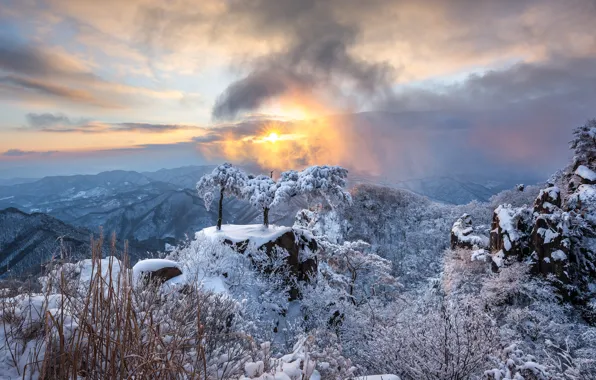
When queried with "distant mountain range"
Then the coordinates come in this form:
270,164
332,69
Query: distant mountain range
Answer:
150,209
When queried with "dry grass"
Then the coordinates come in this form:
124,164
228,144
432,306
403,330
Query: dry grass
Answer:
110,329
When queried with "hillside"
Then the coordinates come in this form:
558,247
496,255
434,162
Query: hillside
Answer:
29,240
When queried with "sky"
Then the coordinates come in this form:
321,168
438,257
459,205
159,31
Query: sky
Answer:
395,88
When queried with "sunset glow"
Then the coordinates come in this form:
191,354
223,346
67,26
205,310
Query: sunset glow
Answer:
273,137
293,83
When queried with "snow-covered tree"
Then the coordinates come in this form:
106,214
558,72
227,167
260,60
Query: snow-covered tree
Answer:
286,186
324,183
225,179
359,273
260,192
584,143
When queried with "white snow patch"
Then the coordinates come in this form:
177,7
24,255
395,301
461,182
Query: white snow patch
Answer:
152,265
498,258
559,255
257,234
548,234
378,377
463,229
586,173
479,255
87,271
6,198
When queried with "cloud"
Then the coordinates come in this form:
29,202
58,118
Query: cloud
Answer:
61,123
317,56
23,153
45,120
533,62
39,61
14,85
53,74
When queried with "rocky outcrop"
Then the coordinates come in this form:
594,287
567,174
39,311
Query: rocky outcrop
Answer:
550,245
464,236
508,236
548,200
301,258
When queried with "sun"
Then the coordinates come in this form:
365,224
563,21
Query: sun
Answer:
272,137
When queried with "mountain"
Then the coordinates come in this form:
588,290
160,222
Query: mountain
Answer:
16,181
151,209
29,240
148,209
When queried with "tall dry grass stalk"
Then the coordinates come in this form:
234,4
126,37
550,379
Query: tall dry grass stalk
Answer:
109,329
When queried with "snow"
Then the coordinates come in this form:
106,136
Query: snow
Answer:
498,258
254,369
585,193
152,265
559,255
294,366
215,284
586,173
6,198
378,377
463,229
479,255
255,233
508,217
548,234
87,271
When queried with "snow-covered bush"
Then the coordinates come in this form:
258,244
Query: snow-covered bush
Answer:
93,322
431,340
307,360
514,364
359,274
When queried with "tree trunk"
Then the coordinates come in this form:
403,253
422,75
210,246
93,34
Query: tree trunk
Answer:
266,216
220,211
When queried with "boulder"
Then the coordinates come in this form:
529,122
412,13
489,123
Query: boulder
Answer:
156,270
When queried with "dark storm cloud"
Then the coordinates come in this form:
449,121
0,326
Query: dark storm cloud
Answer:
521,115
317,55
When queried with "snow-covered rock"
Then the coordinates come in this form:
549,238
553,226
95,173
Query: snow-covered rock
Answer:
297,245
156,270
462,234
586,174
548,200
510,227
